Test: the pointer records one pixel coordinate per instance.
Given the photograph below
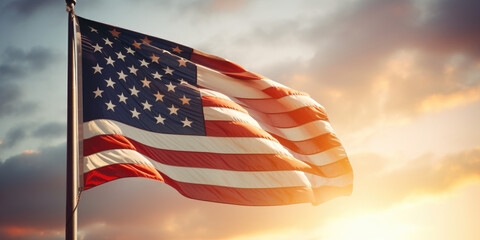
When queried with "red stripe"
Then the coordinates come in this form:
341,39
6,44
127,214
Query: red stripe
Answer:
239,196
290,119
116,171
278,92
235,162
242,196
235,129
106,142
311,146
210,101
268,105
224,66
338,168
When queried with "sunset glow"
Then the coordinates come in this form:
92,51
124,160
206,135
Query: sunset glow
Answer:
400,81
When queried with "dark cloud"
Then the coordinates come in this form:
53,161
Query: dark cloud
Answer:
11,102
50,130
32,187
23,131
453,26
14,136
16,63
26,8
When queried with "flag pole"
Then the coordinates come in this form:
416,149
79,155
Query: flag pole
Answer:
72,167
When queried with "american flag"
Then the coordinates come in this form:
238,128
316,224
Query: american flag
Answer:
203,125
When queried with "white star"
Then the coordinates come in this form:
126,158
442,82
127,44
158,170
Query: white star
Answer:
110,61
173,110
110,83
107,42
98,92
134,91
129,50
93,29
159,96
171,87
185,100
133,70
97,69
97,48
144,63
183,81
122,98
160,119
187,123
120,56
110,106
122,75
146,83
146,105
157,75
135,113
167,52
168,70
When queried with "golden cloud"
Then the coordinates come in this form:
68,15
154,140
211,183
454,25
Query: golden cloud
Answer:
439,102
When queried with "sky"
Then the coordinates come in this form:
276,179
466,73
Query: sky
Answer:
400,81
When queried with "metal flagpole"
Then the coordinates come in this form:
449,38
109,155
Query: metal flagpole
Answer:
72,150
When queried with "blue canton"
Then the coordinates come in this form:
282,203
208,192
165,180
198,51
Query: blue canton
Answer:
139,80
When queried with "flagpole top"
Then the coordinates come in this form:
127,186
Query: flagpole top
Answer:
70,5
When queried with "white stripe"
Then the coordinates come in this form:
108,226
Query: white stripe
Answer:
300,133
227,114
217,177
323,158
188,143
265,83
230,86
212,93
109,157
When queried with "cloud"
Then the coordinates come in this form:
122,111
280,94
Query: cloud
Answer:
26,131
10,99
26,8
35,184
50,130
15,62
438,102
452,26
379,186
14,136
381,59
